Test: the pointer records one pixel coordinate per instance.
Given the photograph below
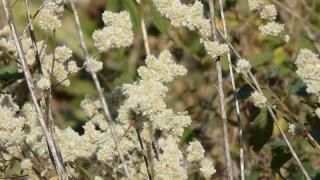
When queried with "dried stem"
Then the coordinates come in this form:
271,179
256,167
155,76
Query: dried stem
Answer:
221,98
35,14
105,108
144,153
257,86
33,37
51,145
234,90
145,37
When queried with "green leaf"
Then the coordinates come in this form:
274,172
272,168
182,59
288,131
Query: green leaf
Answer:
135,13
230,4
315,175
79,87
122,79
260,130
187,135
254,175
280,154
298,88
244,92
161,23
258,59
10,72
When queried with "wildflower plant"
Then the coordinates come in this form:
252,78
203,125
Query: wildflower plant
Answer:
95,105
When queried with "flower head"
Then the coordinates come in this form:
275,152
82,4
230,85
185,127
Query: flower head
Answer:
116,33
271,28
215,49
259,99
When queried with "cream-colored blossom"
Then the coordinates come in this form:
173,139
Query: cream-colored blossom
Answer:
116,33
49,15
259,100
269,12
26,164
308,64
317,111
170,164
215,49
292,129
48,21
190,16
73,67
163,69
44,82
93,65
195,151
243,66
287,38
271,28
207,168
90,105
255,4
62,53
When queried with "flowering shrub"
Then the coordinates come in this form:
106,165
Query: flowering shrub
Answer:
78,102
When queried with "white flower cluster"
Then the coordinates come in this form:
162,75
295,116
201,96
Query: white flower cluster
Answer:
11,124
243,66
195,151
23,124
308,64
271,28
269,13
308,69
93,65
7,44
292,129
255,4
317,112
180,14
62,67
144,106
50,14
206,168
116,33
215,49
259,99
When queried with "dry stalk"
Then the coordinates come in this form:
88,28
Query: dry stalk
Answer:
221,98
234,90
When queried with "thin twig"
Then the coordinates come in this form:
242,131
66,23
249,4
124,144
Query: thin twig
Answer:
33,38
58,164
34,16
221,98
234,90
105,108
145,37
144,153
